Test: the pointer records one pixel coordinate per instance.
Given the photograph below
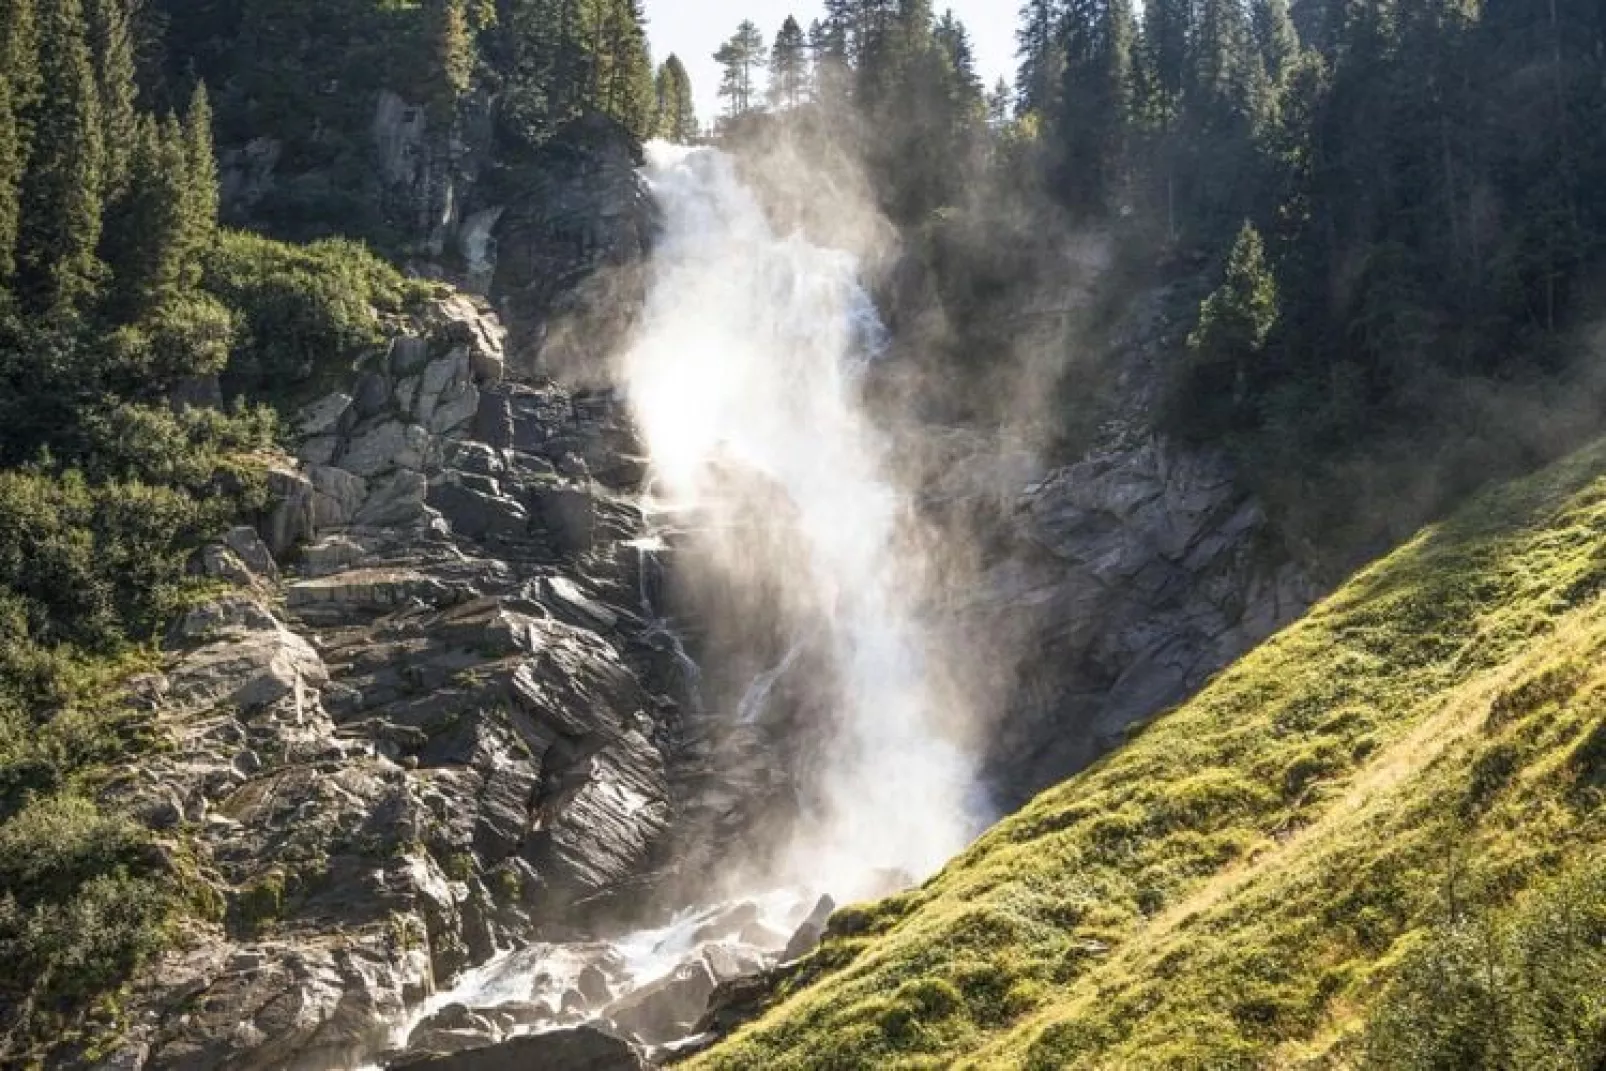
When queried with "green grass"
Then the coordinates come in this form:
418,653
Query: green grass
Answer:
1256,879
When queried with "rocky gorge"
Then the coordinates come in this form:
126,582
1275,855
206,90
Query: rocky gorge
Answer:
439,749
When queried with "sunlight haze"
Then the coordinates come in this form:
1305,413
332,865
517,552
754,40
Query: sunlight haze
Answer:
694,30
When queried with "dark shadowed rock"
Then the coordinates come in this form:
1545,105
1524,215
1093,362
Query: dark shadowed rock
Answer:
583,1048
808,935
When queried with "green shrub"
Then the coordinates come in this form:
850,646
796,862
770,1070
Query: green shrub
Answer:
82,904
304,310
1524,989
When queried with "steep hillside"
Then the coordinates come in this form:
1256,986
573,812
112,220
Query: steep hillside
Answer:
1373,840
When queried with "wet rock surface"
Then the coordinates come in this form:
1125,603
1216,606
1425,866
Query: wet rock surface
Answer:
428,730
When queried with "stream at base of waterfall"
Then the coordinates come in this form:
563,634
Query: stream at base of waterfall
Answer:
746,382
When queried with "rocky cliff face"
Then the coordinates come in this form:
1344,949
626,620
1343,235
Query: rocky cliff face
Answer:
434,717
552,238
436,729
1126,577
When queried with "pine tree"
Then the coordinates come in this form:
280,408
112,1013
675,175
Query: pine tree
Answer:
1274,36
19,59
145,234
1096,107
201,186
677,110
1167,30
741,56
999,104
789,65
953,39
57,269
829,44
111,44
12,164
1237,318
1042,62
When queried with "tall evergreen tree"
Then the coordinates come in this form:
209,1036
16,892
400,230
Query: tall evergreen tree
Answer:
740,56
111,45
12,163
201,187
623,67
1235,322
1042,61
677,110
953,39
1275,36
789,65
57,269
1096,107
1167,30
829,42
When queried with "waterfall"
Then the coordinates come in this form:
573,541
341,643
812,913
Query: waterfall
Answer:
746,381
777,492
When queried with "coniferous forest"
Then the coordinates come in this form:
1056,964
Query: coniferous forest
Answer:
1374,230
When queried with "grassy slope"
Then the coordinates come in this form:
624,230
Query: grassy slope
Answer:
1235,887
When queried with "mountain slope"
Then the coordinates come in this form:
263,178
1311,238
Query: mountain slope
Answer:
1284,871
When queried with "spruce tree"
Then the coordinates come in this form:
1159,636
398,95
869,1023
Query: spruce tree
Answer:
677,111
201,182
111,44
1038,80
1274,36
789,65
741,56
620,67
1096,108
19,58
1167,30
953,40
146,230
57,269
1237,318
12,164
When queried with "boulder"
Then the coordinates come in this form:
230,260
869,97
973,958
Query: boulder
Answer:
248,671
384,446
319,450
569,516
373,589
582,1048
408,355
339,495
809,933
668,1008
372,395
331,554
230,615
454,409
292,519
329,415
443,379
476,514
452,1029
395,502
249,548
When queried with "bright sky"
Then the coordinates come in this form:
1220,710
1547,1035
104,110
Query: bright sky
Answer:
694,30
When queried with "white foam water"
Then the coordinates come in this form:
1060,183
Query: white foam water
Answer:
746,380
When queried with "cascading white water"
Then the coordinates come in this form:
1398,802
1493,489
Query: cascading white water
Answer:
746,382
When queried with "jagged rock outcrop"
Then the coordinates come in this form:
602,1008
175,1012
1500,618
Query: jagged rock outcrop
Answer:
1124,579
435,732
